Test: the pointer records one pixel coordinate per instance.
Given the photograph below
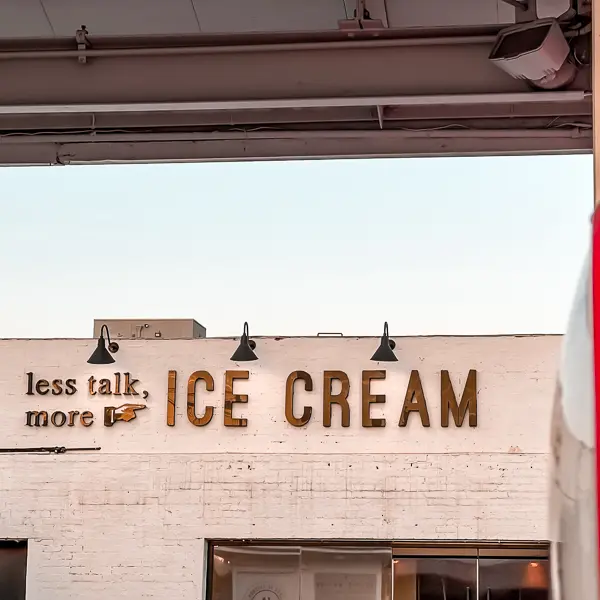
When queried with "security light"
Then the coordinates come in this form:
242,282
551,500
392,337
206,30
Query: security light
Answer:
537,51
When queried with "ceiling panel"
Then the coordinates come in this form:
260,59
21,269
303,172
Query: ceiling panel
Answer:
506,13
46,18
246,16
442,13
23,18
122,17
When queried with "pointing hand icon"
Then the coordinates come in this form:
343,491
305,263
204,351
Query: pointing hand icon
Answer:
125,412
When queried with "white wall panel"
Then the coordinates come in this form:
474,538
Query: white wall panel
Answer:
23,18
47,18
269,15
133,526
122,17
445,13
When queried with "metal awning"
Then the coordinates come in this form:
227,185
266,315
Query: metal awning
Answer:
269,81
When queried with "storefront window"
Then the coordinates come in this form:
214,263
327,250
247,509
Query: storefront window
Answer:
346,573
513,579
435,579
320,572
294,573
256,573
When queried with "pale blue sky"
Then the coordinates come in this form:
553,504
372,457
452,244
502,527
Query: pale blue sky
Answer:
434,246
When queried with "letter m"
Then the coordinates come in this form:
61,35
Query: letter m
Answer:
468,402
39,419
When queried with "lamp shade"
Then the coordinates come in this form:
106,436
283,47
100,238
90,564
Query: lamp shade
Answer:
245,351
101,356
385,352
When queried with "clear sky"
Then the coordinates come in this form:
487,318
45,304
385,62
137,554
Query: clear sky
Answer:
434,246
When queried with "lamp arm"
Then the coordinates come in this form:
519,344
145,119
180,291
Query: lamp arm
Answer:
105,327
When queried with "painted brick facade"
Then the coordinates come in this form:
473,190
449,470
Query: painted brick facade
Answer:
131,520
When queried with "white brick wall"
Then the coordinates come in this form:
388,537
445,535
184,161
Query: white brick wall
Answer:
131,520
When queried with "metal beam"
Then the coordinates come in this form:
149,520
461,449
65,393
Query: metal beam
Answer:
286,145
289,117
365,69
336,99
436,100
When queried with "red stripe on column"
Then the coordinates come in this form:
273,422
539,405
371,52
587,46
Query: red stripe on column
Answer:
596,340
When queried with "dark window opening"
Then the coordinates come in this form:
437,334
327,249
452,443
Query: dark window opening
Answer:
513,579
13,569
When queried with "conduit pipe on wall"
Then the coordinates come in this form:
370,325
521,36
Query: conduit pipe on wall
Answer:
249,48
45,450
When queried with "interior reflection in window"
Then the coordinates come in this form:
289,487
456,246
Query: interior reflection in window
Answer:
435,579
346,573
292,573
513,579
319,572
256,573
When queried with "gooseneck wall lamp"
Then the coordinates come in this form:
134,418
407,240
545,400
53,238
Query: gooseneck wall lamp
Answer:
102,355
245,351
385,352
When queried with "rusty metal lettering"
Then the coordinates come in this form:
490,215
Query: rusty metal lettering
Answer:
117,391
368,398
37,418
231,399
91,383
171,397
414,401
104,388
72,415
289,398
468,401
191,399
125,413
86,418
29,391
42,387
329,399
58,418
129,383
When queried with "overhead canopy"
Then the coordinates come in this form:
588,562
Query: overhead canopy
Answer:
88,81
